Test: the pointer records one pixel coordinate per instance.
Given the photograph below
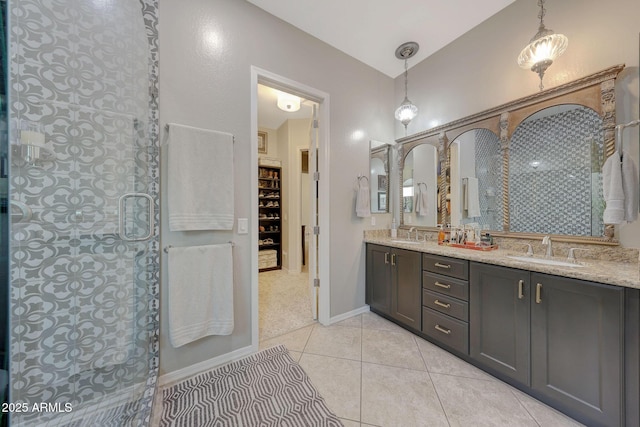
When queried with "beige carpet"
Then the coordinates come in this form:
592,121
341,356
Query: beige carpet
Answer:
284,303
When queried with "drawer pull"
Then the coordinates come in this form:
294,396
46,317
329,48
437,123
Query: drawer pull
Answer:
442,285
520,289
443,330
447,266
386,257
441,304
538,293
393,259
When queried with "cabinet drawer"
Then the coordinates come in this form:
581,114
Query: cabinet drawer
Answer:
452,267
446,330
447,305
446,285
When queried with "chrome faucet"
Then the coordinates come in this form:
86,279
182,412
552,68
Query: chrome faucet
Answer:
546,241
411,230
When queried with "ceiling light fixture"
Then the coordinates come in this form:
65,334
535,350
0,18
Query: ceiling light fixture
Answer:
406,111
543,48
288,103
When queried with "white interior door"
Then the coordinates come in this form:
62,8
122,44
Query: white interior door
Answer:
314,280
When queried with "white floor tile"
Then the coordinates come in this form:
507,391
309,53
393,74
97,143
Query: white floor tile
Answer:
335,341
391,348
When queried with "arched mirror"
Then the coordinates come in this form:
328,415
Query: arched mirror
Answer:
476,180
525,169
379,176
420,186
555,180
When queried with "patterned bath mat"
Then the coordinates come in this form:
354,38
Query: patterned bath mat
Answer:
265,389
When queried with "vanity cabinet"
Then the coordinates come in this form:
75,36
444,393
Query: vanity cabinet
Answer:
500,320
393,283
562,337
577,346
445,296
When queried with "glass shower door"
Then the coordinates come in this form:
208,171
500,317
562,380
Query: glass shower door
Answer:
83,233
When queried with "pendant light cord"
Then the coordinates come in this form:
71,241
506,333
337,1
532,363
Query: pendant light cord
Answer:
406,78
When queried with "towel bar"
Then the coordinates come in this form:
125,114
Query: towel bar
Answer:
166,248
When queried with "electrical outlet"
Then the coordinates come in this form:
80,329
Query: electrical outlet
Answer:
373,220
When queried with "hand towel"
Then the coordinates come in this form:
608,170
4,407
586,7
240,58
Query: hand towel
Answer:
630,187
200,179
613,191
421,200
200,292
472,198
363,204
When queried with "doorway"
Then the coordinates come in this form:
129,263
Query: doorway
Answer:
291,285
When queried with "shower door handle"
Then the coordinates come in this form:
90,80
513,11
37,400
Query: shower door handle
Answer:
122,217
25,211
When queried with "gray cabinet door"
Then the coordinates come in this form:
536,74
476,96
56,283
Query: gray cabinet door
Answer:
378,285
499,309
406,296
577,346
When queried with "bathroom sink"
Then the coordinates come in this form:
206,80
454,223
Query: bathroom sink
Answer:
407,242
545,261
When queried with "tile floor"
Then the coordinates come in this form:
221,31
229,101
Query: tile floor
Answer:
371,372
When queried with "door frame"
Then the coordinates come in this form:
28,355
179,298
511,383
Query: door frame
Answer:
259,75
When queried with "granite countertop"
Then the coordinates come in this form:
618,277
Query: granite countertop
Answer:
626,274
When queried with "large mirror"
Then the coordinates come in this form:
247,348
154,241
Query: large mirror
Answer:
476,180
420,186
527,168
379,176
555,179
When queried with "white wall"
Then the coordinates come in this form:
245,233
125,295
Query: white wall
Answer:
479,70
207,48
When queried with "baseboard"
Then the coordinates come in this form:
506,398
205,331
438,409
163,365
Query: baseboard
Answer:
344,316
189,371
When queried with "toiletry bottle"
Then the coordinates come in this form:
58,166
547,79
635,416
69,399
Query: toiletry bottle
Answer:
394,229
440,234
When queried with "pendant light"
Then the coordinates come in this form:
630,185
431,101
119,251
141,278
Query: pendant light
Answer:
543,48
406,111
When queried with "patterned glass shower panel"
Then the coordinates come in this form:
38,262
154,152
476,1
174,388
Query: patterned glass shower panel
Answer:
80,292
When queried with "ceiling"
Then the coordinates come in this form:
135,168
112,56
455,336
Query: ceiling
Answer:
371,30
270,116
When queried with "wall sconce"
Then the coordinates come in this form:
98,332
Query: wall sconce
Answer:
288,103
406,111
543,48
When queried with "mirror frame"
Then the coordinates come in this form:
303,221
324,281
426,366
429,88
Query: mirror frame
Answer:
596,91
381,152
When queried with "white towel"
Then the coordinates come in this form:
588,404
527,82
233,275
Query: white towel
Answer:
200,292
612,190
472,198
630,187
200,179
363,204
421,201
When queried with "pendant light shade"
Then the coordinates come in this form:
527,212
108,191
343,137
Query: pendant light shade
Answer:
406,111
543,48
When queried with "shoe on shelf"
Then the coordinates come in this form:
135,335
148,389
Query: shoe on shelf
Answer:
260,242
269,204
261,205
268,241
261,194
276,204
263,216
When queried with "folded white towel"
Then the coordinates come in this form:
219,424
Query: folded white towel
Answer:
612,190
421,200
363,203
200,292
472,198
200,179
630,187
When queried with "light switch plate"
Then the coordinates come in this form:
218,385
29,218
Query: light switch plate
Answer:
373,220
243,225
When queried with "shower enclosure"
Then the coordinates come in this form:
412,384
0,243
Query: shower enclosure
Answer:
83,190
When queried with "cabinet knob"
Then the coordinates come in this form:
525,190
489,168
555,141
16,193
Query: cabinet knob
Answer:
442,285
538,293
443,330
521,289
442,304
